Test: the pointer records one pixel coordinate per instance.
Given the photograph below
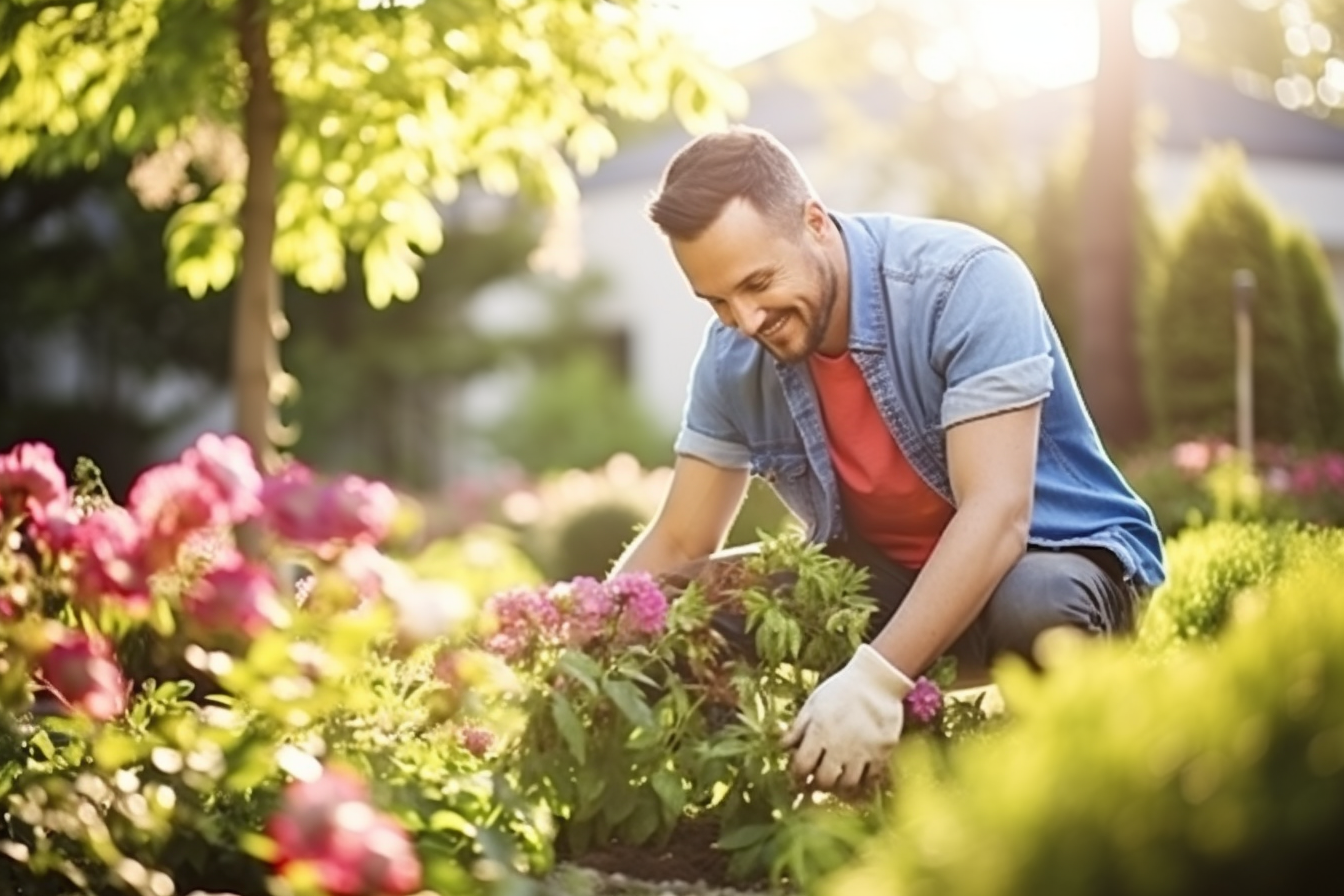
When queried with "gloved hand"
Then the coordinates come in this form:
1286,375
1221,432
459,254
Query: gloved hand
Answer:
851,722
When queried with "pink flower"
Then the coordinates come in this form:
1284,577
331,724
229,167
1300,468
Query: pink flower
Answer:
643,604
924,701
524,617
1332,470
477,741
370,572
172,502
329,825
110,559
300,508
1192,457
30,478
80,670
234,596
588,605
226,463
359,510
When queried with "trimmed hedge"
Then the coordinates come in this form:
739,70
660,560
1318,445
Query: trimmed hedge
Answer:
1218,770
1210,566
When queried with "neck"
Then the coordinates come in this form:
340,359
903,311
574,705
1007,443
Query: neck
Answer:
836,340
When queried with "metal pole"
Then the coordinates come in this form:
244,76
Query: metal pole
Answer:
1243,287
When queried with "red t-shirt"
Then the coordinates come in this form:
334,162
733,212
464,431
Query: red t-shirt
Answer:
885,501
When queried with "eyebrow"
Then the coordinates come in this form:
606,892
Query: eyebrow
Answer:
767,271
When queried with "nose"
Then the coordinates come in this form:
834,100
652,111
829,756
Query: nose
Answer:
750,317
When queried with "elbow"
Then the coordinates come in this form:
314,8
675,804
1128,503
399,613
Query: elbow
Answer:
1008,517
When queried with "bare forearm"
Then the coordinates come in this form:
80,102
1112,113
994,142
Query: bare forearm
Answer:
977,549
654,552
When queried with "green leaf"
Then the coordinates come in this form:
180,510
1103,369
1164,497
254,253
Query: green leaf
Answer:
115,750
671,792
569,726
743,837
629,701
582,668
42,742
642,824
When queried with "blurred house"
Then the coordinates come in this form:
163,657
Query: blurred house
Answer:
1296,160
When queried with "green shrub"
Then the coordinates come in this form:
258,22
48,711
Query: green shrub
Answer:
590,541
1211,565
576,416
1230,226
1309,280
1220,770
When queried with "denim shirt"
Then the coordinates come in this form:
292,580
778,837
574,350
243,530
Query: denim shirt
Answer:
947,325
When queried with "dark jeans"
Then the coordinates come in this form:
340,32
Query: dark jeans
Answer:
1081,588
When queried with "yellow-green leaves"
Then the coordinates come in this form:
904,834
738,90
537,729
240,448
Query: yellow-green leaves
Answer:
387,108
203,241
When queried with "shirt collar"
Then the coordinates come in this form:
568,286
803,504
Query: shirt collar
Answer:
867,309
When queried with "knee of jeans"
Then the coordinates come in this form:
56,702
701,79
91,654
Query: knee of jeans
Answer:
1036,595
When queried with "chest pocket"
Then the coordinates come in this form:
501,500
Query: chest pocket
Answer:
789,475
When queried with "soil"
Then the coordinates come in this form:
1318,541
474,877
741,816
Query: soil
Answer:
689,856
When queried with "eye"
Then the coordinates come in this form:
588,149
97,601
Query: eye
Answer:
759,285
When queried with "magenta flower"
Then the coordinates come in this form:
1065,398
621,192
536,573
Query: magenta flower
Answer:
171,502
227,465
643,604
80,670
300,508
234,596
110,559
30,478
477,741
924,701
588,606
329,826
523,617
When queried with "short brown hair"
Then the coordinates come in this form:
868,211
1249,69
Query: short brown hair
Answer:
713,169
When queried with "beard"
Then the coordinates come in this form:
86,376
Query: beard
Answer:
814,315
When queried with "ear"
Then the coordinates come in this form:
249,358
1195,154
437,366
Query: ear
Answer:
816,220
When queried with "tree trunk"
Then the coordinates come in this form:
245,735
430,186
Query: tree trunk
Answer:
257,312
1107,339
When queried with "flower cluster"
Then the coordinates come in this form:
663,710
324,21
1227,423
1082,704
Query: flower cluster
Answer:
625,609
328,829
924,702
108,557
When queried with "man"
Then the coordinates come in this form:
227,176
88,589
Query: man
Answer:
898,382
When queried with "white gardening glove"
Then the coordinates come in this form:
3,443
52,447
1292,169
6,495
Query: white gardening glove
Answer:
850,723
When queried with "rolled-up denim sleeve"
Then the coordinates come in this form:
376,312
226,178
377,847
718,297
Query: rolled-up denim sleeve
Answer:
991,338
707,428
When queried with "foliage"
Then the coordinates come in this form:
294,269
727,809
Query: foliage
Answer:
89,322
591,540
577,415
1203,480
606,503
386,107
1220,769
630,734
331,740
1229,226
1285,49
1309,281
1213,566
375,384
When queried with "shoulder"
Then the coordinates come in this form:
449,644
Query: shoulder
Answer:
929,249
727,357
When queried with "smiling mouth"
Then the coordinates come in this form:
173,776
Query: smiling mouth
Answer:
774,327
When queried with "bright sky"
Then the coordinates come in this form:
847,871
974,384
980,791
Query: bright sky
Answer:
1048,43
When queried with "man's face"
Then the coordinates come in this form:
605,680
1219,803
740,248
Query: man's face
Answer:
773,284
